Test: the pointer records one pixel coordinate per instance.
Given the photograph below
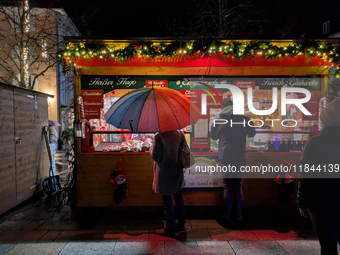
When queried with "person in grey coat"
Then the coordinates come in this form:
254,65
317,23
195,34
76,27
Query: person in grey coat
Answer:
168,179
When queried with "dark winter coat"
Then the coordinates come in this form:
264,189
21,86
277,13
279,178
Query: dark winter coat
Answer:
168,171
232,140
321,196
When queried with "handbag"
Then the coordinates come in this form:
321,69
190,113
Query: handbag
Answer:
51,185
185,156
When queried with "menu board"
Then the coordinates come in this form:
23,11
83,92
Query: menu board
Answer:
93,103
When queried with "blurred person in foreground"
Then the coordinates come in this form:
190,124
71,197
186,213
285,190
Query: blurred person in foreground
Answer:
168,179
53,141
319,198
232,151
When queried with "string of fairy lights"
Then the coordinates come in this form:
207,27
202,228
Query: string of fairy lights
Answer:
25,49
26,67
202,47
27,16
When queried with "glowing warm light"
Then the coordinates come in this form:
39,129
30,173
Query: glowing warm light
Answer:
26,67
49,99
27,16
44,49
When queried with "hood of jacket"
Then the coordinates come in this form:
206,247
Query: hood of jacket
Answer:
228,110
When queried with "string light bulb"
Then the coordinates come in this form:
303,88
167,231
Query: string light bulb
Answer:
26,16
235,51
26,67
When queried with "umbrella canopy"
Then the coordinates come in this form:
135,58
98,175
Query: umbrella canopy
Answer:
153,110
53,123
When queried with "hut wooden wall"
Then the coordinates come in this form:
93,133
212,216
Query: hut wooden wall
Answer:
95,190
7,149
23,113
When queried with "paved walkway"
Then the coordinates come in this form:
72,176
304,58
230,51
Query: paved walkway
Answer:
34,228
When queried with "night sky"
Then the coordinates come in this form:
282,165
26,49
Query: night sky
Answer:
161,18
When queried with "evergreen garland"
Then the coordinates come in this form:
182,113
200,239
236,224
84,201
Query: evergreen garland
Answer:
204,47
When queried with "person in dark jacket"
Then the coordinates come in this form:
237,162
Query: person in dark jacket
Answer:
319,191
168,179
232,151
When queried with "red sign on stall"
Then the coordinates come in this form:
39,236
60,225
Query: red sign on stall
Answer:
200,142
93,103
156,83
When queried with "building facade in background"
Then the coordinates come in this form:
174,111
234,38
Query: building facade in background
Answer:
30,37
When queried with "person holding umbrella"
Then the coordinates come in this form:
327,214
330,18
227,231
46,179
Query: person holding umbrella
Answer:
166,111
168,179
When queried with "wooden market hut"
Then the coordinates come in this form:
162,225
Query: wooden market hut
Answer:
128,64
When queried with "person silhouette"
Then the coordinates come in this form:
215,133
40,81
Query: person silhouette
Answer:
168,178
232,151
319,198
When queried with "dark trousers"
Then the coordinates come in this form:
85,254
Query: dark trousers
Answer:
169,212
328,231
232,186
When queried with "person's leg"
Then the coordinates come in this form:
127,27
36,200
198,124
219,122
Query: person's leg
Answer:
227,197
53,151
237,183
180,210
169,215
327,234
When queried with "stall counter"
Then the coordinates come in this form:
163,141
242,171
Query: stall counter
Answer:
95,190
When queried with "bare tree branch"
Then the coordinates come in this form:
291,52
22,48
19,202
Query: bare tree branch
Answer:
221,18
29,40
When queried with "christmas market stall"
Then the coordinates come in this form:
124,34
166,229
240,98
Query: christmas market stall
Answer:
113,163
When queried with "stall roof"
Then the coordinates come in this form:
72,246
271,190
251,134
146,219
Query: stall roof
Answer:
222,57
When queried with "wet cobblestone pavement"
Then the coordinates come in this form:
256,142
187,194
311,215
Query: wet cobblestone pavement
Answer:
36,228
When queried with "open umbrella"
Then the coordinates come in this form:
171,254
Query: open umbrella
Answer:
53,123
153,109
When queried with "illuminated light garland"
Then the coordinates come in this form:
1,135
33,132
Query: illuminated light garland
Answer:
44,49
26,67
25,50
203,47
27,16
